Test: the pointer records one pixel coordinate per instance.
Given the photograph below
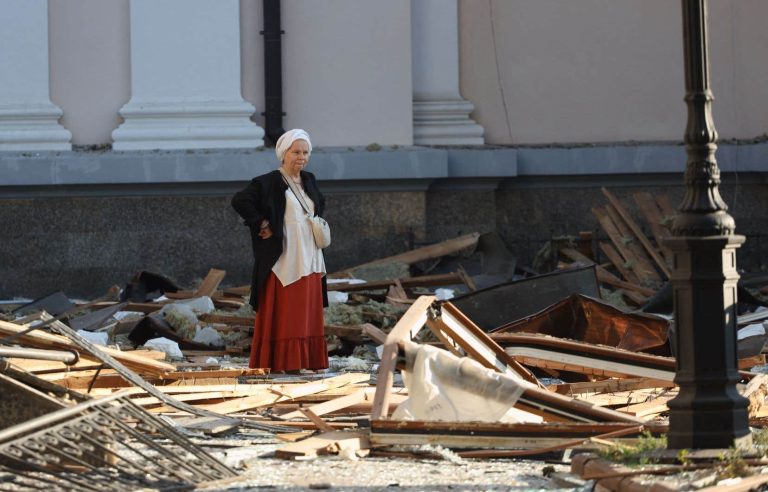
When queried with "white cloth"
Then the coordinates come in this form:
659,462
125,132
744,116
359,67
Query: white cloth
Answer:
286,140
301,256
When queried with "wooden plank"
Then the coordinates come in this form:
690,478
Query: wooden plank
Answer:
667,209
374,333
548,348
327,443
50,366
212,426
358,396
421,281
610,251
648,207
660,262
605,276
315,419
210,283
457,327
420,254
213,374
227,319
609,385
647,409
624,398
641,261
148,401
44,339
406,328
284,393
495,435
589,368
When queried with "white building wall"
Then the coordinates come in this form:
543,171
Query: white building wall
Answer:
347,71
252,55
568,71
606,70
90,65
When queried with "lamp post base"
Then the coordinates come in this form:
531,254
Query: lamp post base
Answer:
708,412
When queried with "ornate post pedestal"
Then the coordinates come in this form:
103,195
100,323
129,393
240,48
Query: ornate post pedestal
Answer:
708,413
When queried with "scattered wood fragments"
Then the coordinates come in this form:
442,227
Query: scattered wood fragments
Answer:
540,365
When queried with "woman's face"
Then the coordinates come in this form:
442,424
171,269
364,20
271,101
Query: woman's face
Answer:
296,157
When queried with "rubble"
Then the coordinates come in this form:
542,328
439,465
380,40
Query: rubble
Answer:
509,365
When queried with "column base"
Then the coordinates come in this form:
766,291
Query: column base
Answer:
32,126
445,122
187,124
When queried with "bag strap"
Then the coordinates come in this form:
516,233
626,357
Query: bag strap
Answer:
292,186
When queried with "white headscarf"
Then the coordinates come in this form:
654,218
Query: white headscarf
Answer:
286,140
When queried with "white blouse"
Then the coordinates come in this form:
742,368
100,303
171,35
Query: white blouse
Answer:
301,256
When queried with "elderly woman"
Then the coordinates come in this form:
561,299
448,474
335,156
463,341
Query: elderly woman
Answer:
288,289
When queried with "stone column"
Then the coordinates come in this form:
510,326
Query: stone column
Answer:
440,114
185,78
28,118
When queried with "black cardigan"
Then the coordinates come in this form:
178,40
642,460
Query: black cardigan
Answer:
264,198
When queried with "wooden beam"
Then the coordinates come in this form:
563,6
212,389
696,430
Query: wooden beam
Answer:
420,254
339,403
210,283
327,443
609,385
280,393
43,339
456,329
422,281
605,276
495,435
561,354
610,251
406,328
660,262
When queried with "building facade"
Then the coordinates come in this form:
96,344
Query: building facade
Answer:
125,125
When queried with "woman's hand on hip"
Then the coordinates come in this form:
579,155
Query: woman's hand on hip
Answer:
265,232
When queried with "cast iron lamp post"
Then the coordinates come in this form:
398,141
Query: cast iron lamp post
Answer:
708,412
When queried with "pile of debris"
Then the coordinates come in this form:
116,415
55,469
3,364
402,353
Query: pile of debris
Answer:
472,354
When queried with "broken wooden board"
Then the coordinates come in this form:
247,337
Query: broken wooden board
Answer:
557,353
421,281
210,283
420,254
609,385
278,393
633,255
622,266
42,339
211,426
479,435
358,396
406,328
630,222
607,277
654,217
649,408
327,443
457,331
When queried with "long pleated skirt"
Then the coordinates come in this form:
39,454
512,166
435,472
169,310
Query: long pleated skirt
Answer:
289,330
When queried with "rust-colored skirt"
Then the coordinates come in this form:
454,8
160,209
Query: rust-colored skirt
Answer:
289,329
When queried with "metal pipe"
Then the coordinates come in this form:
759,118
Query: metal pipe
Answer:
68,357
273,72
